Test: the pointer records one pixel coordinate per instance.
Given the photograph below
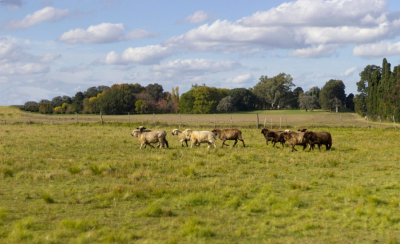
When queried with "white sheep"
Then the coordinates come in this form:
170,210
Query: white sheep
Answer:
147,137
197,137
182,135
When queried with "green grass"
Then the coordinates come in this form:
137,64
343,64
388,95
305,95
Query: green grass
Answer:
92,184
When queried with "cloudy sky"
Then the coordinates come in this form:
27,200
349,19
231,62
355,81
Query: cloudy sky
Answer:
52,48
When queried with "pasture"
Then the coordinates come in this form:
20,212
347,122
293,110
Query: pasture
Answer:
87,183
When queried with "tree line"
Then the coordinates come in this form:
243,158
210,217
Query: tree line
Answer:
379,92
269,93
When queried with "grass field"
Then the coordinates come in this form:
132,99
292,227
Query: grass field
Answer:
86,183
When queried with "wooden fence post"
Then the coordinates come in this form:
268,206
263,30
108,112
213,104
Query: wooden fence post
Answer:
214,121
257,121
101,118
129,118
180,120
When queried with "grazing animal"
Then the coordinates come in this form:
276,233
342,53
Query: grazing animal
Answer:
229,134
319,138
182,135
197,137
148,137
274,137
148,130
302,130
295,138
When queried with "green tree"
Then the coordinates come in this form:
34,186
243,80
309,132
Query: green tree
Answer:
57,101
260,91
78,102
203,101
332,93
45,107
186,102
93,91
293,97
227,104
307,101
350,101
31,106
243,99
155,91
274,91
140,106
119,99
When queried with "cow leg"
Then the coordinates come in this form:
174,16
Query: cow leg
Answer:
166,142
235,143
186,143
243,142
223,143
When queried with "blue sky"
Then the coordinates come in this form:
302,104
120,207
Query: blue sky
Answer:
53,48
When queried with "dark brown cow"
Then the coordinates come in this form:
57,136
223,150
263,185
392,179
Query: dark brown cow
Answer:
319,138
272,137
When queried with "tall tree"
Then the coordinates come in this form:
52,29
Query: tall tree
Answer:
243,99
350,101
332,93
45,107
186,102
155,91
274,91
119,99
78,102
31,106
227,104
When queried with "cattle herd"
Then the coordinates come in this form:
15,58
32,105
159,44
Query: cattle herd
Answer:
303,137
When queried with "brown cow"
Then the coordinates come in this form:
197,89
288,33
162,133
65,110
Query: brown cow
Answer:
272,137
319,138
295,138
229,134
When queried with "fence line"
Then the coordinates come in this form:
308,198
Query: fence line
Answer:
271,120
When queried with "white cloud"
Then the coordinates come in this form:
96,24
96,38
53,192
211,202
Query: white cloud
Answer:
197,17
195,66
314,28
142,55
24,69
46,14
240,79
226,37
50,57
376,50
139,34
320,51
348,72
103,33
320,13
76,68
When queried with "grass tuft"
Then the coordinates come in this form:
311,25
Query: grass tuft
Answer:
47,198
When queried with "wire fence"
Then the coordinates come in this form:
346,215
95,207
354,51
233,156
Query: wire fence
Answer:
269,119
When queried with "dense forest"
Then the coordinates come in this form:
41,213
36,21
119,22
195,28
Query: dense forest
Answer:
269,93
379,93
